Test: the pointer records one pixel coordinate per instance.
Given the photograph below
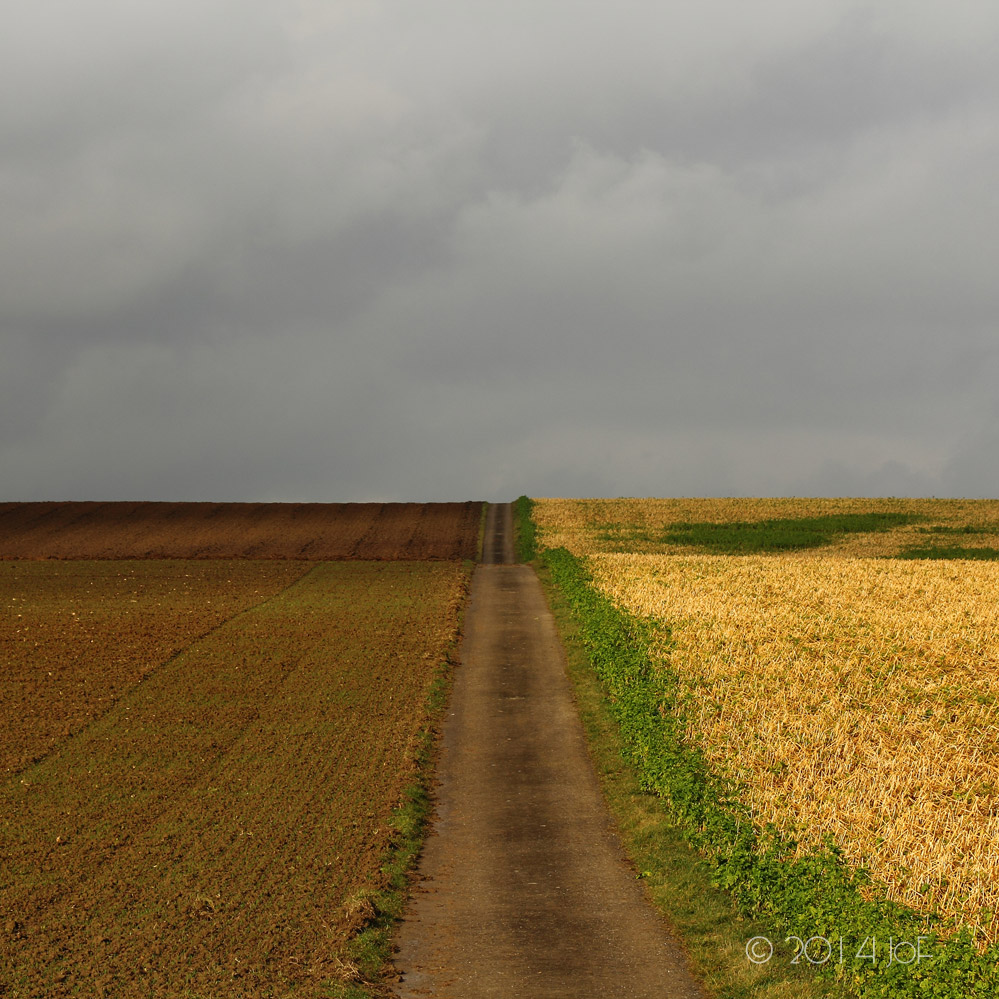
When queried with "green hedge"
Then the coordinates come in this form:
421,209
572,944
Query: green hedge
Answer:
815,896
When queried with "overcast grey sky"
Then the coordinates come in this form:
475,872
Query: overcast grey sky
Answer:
324,250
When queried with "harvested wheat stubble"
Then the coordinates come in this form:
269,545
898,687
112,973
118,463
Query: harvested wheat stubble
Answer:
78,635
310,531
214,833
847,693
846,696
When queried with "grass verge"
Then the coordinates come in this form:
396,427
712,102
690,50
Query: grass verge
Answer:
524,529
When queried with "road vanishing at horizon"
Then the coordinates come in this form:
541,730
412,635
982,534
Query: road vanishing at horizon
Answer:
524,889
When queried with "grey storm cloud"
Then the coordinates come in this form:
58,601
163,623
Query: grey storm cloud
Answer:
292,249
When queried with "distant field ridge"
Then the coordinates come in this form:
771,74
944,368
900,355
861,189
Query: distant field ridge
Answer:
310,531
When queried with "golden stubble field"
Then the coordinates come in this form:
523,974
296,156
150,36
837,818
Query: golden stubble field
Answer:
846,694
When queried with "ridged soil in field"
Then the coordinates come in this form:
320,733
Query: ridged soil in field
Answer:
80,634
214,832
311,531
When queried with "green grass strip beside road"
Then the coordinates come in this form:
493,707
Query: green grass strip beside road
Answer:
813,897
524,529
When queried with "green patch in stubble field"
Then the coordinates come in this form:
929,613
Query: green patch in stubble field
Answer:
948,545
524,529
950,551
749,537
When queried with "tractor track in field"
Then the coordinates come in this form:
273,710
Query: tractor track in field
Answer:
524,888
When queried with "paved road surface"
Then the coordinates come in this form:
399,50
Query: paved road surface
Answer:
525,891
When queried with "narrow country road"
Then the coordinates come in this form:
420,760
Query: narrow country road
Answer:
524,888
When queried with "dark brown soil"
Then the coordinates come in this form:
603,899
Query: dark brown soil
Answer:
82,633
311,531
217,832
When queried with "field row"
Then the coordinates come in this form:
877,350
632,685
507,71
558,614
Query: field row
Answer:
216,830
308,531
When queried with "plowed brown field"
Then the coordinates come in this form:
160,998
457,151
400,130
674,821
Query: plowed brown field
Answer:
311,531
212,833
82,633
